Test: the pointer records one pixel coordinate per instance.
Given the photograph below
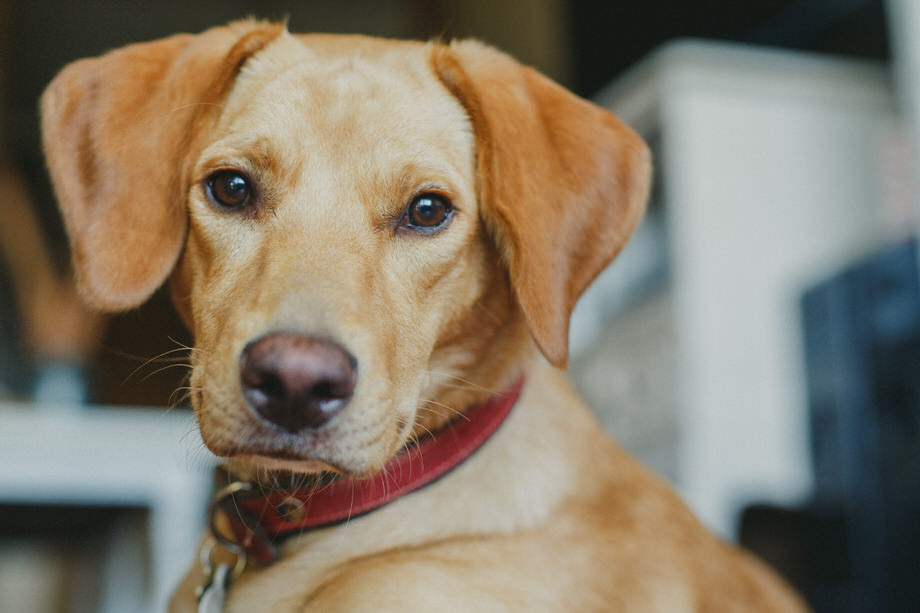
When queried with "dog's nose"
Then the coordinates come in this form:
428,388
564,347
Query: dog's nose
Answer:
297,382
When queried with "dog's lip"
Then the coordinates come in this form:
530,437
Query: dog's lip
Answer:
285,463
270,454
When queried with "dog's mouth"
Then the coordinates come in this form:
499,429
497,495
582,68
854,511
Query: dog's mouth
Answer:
281,451
357,443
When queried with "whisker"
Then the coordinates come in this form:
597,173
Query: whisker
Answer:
167,367
191,104
158,358
132,356
497,320
430,433
184,346
464,387
176,401
452,409
180,395
471,384
184,391
416,438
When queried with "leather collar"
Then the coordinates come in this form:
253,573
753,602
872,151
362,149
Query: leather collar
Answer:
261,520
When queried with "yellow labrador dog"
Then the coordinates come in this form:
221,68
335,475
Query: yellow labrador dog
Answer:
373,243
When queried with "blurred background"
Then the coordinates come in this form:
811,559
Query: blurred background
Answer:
757,344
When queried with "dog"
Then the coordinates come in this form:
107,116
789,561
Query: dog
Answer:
378,245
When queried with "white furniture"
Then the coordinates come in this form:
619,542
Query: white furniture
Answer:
769,163
60,455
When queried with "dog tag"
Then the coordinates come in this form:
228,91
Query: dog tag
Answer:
215,590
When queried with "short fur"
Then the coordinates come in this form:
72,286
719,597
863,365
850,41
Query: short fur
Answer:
339,133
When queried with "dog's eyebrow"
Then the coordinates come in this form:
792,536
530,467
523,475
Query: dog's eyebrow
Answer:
414,178
413,175
255,154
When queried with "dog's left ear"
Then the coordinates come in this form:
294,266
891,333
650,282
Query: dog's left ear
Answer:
563,183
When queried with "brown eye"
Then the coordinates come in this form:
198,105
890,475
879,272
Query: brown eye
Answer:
229,189
428,212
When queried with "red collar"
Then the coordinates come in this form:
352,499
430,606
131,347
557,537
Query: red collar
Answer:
260,520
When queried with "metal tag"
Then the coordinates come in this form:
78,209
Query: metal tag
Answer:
214,591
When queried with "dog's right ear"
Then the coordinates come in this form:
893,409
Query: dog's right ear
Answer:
117,132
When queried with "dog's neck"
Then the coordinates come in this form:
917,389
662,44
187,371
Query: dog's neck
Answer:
523,474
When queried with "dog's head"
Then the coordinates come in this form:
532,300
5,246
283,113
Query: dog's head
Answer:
363,235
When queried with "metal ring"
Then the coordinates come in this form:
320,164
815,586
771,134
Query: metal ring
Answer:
216,538
207,564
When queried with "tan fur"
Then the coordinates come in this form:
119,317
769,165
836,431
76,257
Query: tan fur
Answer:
340,133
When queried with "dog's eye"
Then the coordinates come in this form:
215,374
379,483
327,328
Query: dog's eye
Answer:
229,189
428,212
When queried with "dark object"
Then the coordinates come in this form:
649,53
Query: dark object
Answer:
15,371
809,548
297,382
856,547
609,37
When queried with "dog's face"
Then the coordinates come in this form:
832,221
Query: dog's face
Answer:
357,225
363,235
